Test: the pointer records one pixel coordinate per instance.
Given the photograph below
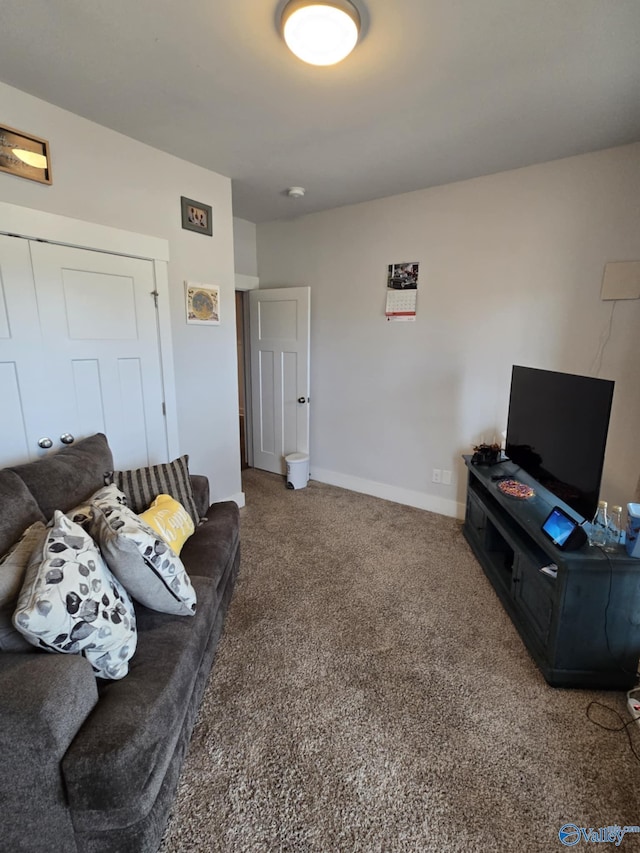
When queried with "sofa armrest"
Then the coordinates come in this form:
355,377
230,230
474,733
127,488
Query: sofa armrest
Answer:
44,700
200,486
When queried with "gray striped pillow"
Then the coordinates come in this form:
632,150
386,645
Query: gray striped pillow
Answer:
143,485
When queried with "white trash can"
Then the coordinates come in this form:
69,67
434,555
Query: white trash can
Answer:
633,530
297,470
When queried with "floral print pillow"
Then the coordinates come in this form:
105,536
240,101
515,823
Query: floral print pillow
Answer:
71,603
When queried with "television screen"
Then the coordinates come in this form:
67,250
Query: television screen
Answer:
557,432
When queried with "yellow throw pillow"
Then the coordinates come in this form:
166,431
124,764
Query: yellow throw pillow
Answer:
170,520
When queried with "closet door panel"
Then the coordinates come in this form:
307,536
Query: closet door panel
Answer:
24,388
101,337
79,352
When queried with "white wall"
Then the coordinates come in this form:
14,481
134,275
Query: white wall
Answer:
104,177
244,247
510,272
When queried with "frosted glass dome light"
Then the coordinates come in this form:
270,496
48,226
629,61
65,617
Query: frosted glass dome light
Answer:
320,33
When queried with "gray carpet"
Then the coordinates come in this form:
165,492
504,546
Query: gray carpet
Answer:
370,694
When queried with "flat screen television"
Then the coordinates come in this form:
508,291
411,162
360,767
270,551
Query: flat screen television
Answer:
557,432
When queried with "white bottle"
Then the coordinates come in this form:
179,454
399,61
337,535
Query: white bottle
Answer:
614,529
598,533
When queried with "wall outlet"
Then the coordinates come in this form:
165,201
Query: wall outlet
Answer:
446,478
437,475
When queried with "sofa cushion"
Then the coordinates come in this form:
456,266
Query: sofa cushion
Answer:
143,485
13,567
70,602
44,701
170,520
211,548
132,733
66,478
200,486
19,509
139,557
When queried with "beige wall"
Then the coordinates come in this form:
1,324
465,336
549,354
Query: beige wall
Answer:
104,177
510,272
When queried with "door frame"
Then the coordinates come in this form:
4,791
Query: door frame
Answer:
33,224
245,283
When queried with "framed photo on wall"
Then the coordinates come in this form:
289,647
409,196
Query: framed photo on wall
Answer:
196,216
202,303
24,155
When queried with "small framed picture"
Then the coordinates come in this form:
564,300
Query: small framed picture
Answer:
196,216
24,155
203,303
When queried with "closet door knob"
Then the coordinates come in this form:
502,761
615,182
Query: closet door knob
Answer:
67,438
45,443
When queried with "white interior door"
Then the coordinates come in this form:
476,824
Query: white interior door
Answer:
79,351
280,335
23,379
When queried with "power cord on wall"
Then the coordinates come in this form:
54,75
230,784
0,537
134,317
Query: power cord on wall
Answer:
604,340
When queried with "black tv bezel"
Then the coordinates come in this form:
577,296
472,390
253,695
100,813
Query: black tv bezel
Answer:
585,505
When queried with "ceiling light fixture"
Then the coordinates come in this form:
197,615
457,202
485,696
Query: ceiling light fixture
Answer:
296,192
320,32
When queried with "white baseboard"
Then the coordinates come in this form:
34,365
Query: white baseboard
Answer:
398,495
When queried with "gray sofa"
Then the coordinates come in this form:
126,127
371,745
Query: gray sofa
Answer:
90,765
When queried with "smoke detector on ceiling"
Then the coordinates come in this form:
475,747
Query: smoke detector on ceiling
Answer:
296,192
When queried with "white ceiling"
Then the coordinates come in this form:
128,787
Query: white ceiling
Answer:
436,91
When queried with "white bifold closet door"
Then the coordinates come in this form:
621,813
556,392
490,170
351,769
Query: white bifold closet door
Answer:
79,352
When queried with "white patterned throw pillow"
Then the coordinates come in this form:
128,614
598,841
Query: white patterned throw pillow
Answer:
105,496
71,603
139,557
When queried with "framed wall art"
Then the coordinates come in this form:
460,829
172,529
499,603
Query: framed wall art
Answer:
24,155
196,216
202,303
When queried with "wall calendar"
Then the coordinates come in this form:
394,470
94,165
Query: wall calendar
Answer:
402,291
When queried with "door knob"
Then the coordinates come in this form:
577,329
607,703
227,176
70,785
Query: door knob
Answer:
45,443
302,399
67,438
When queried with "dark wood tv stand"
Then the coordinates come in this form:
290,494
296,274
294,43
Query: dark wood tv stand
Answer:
583,627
